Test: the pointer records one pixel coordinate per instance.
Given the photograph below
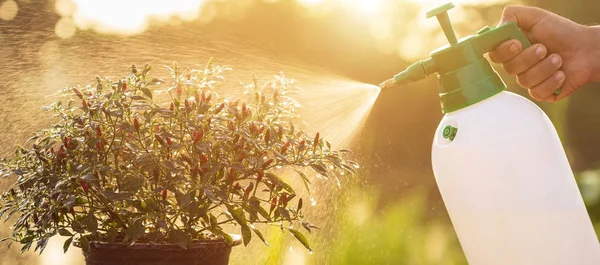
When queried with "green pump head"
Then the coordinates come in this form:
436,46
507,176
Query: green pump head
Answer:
466,77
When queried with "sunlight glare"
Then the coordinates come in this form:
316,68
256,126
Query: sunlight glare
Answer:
365,6
131,16
310,3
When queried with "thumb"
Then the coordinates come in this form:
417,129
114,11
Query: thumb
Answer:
524,16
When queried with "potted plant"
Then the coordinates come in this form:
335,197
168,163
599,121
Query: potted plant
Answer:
135,178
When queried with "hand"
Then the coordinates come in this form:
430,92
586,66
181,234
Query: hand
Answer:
564,54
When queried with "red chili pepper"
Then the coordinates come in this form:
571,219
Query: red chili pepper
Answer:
316,141
77,93
236,186
273,204
84,185
219,108
198,135
231,175
124,86
248,190
260,176
172,107
159,139
61,153
301,144
300,204
268,136
67,141
168,141
262,128
99,146
203,159
209,96
98,131
136,124
283,199
84,104
285,147
164,194
267,164
203,97
52,150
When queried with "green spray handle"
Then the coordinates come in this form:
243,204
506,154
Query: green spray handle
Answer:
466,77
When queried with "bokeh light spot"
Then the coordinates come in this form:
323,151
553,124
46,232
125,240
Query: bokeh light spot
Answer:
65,28
8,10
64,8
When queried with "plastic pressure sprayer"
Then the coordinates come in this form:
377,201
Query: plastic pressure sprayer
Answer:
498,161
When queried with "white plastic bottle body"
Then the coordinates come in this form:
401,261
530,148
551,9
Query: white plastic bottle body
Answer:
509,189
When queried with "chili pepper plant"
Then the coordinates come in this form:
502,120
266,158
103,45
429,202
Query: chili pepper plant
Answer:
141,159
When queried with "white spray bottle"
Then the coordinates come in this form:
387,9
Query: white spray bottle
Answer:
498,161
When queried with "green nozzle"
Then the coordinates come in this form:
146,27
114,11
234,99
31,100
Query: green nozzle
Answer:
466,77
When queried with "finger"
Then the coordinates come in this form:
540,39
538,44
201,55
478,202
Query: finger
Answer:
540,72
545,90
525,17
526,59
506,51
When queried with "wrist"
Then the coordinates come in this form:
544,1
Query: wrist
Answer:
594,51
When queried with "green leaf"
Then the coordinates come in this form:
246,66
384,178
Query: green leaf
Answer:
147,92
319,168
279,181
91,223
135,229
67,244
136,97
41,245
300,238
246,234
90,178
132,184
264,213
180,238
70,201
111,234
183,200
116,196
305,180
77,226
213,221
85,243
64,232
238,215
260,235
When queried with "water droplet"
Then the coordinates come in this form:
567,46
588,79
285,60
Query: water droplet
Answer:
330,166
290,248
310,252
313,202
356,166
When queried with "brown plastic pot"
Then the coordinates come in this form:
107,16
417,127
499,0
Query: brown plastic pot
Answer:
214,252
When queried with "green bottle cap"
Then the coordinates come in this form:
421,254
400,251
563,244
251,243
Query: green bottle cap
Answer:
466,77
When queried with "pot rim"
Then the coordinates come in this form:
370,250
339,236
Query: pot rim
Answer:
237,240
